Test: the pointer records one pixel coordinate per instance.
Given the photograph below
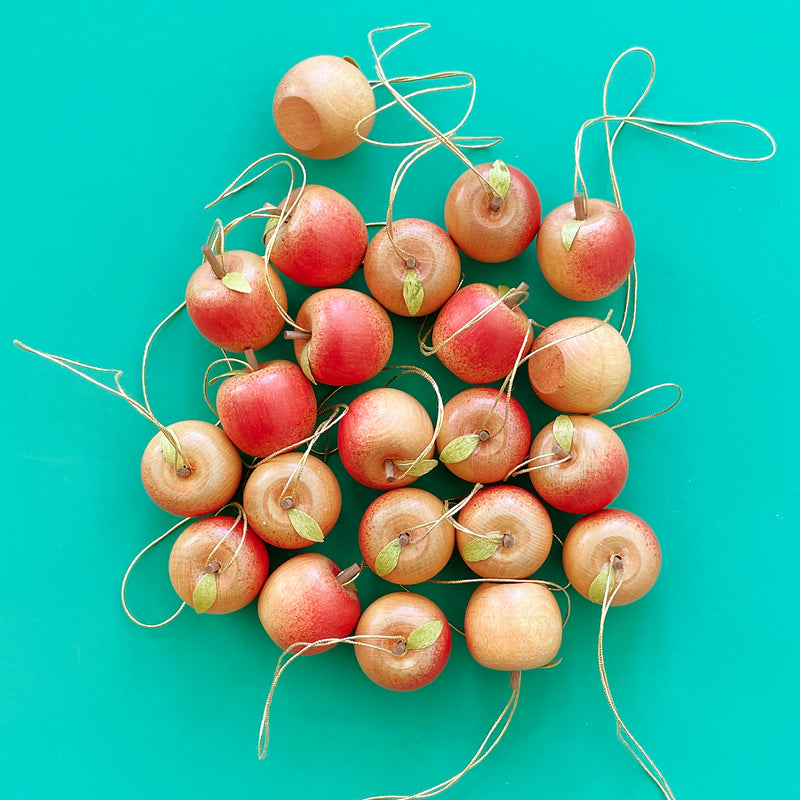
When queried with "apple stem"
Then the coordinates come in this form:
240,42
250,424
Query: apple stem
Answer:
287,503
579,201
213,567
388,468
347,574
515,296
296,335
508,540
560,452
516,680
404,539
251,359
216,265
496,203
183,472
400,647
484,436
410,262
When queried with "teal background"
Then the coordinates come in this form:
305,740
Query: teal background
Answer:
119,123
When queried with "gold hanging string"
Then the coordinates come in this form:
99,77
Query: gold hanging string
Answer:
78,368
443,138
614,578
295,651
429,350
640,394
240,517
486,747
337,412
527,466
130,569
231,371
146,353
411,369
653,126
450,513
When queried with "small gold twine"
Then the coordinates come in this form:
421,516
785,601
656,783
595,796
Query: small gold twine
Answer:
240,517
641,394
614,578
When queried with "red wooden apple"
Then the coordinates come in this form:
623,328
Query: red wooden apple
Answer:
477,419
410,619
268,502
302,601
267,409
592,476
583,374
206,481
480,349
430,272
599,257
601,538
488,230
351,337
232,319
517,529
238,572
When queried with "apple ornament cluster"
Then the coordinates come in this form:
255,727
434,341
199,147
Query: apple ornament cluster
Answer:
266,450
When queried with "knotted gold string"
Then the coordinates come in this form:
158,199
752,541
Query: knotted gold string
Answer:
640,394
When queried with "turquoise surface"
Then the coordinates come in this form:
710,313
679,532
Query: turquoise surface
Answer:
119,123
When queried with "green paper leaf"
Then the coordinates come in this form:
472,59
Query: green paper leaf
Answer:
569,230
351,60
503,290
461,448
305,525
169,453
237,282
304,362
552,664
563,431
597,589
205,592
271,223
413,293
387,558
480,549
421,468
425,635
500,178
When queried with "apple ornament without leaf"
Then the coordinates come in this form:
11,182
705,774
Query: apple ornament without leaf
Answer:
323,239
492,224
419,646
317,104
343,337
586,248
217,565
308,599
230,302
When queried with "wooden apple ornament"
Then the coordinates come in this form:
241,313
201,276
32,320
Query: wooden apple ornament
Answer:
476,441
582,374
586,255
403,537
617,540
581,464
318,103
268,407
382,433
493,226
198,481
216,566
276,493
420,282
229,302
514,532
419,646
304,600
350,339
476,344
323,239
513,626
